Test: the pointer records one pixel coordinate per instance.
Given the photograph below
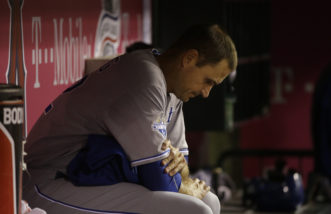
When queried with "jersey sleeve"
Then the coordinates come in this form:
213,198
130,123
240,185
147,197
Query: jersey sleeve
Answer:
176,129
136,117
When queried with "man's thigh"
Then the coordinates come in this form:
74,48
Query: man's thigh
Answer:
61,197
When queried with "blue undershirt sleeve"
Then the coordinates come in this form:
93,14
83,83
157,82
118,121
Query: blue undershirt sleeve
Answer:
186,158
153,177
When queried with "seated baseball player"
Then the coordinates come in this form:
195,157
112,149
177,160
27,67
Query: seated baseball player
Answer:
114,142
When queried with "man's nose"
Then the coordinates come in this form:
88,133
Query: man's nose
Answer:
205,91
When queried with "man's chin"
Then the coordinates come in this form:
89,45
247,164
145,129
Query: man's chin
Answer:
186,99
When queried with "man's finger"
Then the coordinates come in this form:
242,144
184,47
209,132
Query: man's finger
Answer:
166,160
172,156
207,188
175,165
205,193
178,168
166,144
175,160
171,165
196,183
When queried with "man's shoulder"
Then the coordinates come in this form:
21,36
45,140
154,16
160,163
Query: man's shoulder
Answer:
144,60
144,68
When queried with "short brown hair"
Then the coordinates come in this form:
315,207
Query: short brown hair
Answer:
212,43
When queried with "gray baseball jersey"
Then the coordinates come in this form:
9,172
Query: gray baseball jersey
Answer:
126,98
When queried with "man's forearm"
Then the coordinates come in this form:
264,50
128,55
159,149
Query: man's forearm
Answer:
186,187
185,172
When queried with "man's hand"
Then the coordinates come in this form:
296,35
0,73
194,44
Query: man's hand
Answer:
195,188
176,161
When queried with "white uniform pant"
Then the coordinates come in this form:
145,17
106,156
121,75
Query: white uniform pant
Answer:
58,196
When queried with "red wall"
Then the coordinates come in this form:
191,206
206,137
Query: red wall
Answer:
300,49
57,36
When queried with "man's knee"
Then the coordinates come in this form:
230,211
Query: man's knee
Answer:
199,207
179,203
213,202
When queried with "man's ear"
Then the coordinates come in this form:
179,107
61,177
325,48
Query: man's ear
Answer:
190,57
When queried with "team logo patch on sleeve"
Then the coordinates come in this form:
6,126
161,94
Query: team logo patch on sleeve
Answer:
160,126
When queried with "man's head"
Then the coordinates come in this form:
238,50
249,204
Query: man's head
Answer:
203,57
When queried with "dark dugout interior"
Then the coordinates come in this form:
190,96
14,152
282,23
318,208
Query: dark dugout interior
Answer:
248,24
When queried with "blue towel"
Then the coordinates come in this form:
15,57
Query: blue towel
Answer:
101,162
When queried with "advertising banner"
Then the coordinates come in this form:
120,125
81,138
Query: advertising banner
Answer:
43,44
